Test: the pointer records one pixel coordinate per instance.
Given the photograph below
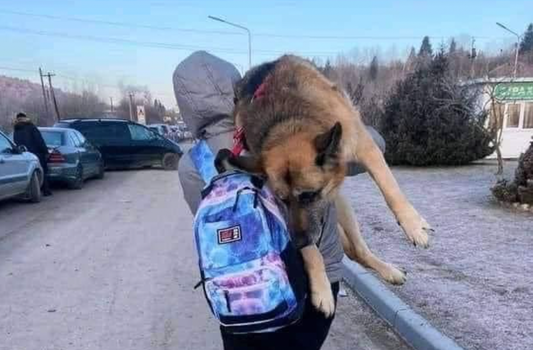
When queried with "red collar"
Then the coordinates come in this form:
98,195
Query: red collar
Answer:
238,141
260,92
238,135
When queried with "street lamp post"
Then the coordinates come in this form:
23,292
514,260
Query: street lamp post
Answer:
240,27
517,45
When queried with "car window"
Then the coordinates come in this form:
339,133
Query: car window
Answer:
75,139
80,137
5,145
52,138
103,131
140,133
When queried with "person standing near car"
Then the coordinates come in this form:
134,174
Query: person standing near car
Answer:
26,134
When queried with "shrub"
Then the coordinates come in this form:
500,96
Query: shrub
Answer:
429,119
521,188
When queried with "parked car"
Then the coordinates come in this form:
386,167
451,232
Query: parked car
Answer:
72,158
155,129
125,144
162,129
21,174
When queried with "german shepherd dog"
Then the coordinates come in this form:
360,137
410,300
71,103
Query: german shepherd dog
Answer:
301,130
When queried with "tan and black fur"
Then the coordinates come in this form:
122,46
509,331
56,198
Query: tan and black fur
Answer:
301,133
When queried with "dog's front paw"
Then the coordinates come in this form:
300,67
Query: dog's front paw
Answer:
322,299
415,228
393,275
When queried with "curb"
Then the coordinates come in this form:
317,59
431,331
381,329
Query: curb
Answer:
413,328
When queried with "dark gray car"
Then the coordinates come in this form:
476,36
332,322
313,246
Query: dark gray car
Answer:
72,158
21,174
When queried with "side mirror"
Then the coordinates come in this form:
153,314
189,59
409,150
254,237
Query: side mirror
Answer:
21,149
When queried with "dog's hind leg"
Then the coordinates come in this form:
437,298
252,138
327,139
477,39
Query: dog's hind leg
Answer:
355,247
415,227
319,286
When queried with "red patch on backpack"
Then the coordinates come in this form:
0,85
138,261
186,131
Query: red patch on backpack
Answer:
229,235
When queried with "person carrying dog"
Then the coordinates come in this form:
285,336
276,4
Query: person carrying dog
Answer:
28,135
203,86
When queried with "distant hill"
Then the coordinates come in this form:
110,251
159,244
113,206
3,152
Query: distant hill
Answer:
21,95
19,89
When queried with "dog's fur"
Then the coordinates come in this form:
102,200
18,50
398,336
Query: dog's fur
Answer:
301,132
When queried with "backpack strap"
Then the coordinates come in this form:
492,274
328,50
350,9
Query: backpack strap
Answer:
204,161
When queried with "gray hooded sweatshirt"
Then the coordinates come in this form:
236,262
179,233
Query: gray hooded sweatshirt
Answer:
203,85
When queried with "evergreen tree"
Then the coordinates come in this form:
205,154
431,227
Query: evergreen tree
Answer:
412,54
453,47
526,45
425,48
373,70
327,70
428,119
410,60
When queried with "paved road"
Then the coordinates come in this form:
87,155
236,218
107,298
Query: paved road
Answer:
112,267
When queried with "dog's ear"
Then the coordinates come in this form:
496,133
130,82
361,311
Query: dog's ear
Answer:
328,145
225,160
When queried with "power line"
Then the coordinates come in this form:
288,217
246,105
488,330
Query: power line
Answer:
18,69
175,4
112,40
151,44
202,31
68,77
119,24
87,81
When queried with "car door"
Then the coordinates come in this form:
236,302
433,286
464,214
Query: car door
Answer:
89,155
145,146
111,138
80,152
14,169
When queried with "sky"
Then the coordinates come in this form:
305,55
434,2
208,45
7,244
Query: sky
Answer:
103,44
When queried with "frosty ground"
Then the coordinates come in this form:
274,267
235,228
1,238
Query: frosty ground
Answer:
475,281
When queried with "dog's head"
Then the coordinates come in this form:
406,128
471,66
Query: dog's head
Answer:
304,170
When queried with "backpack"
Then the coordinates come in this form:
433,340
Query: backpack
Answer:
251,273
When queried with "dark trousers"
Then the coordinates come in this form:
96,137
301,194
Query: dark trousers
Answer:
43,159
309,333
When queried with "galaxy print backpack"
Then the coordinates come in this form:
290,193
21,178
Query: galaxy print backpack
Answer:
251,274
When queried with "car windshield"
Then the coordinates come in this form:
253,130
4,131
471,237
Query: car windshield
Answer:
52,138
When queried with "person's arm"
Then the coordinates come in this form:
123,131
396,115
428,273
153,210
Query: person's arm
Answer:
191,183
355,168
39,141
16,137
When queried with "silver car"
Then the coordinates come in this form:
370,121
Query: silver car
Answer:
21,174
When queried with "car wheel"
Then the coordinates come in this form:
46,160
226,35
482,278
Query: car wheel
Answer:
170,161
34,189
101,171
77,184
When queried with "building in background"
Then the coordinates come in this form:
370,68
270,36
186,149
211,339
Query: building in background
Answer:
514,99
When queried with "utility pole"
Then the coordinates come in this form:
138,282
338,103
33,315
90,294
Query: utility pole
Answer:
131,105
473,55
240,27
111,100
44,93
517,47
50,75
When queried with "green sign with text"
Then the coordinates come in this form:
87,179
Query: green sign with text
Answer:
514,91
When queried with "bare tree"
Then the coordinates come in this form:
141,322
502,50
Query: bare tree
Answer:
495,108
